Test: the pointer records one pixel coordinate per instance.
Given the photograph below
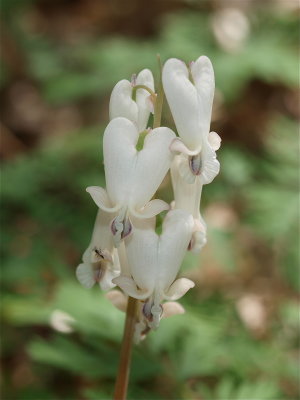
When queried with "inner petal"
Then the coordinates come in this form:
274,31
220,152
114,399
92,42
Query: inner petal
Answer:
195,164
121,227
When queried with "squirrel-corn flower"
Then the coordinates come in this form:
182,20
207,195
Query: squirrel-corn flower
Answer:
125,249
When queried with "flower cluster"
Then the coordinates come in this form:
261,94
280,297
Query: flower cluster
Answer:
125,250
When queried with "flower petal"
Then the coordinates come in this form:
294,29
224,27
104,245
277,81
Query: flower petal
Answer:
129,287
85,275
179,288
210,165
142,251
152,208
172,308
183,101
152,165
187,195
203,76
129,176
145,77
214,140
121,103
177,145
120,155
177,231
100,197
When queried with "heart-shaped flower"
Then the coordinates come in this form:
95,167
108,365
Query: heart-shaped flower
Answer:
100,260
132,176
133,104
154,262
187,196
190,97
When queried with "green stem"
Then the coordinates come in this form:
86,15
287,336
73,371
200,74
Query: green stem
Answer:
159,98
126,350
136,87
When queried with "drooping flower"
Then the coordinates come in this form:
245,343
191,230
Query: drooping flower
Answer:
187,196
132,176
142,328
135,106
100,260
190,96
154,262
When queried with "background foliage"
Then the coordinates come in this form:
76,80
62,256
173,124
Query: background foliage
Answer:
239,337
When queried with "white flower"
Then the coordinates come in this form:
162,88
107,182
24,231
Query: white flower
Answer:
61,321
154,262
142,328
191,107
132,177
122,103
187,196
100,260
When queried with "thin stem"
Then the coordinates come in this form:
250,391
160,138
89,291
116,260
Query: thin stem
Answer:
136,87
159,98
126,350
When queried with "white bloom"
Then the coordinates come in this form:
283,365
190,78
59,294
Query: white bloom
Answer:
132,177
100,260
119,300
136,110
154,262
61,321
187,196
191,107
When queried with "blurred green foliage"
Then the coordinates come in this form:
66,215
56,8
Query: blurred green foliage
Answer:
207,353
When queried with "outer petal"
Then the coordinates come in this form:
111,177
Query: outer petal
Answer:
145,77
183,101
152,164
172,308
120,154
100,247
177,231
100,197
203,76
85,275
210,165
214,140
129,287
151,209
142,252
179,289
177,145
187,196
121,103
101,237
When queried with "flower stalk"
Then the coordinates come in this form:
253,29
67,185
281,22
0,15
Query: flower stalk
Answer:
126,350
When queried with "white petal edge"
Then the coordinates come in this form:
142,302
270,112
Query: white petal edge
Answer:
172,308
129,287
100,197
152,165
203,76
173,243
121,103
177,145
182,98
214,140
151,209
85,275
178,289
